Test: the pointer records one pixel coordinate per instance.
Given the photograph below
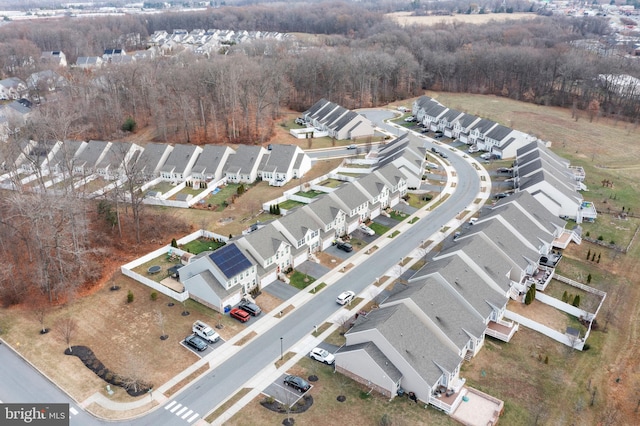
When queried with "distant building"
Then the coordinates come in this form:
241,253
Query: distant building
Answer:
56,58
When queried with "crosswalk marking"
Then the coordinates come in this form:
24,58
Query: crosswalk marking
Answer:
182,410
73,411
173,410
192,418
170,405
187,414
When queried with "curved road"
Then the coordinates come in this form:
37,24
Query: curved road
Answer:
227,378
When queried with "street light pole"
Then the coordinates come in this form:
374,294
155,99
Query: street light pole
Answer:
281,352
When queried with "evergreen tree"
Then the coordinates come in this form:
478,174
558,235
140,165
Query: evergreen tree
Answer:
588,254
589,276
565,296
576,301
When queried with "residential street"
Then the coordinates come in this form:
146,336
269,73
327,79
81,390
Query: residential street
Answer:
212,389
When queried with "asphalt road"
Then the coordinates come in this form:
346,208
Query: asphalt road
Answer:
19,380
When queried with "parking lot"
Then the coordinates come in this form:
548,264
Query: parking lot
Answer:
211,347
282,393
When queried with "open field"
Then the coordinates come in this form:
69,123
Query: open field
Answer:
406,18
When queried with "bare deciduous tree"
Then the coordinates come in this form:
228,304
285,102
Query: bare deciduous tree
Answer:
66,329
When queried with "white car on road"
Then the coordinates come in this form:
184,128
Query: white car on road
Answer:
322,355
345,297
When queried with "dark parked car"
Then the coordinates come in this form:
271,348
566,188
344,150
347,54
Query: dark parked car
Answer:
196,343
297,383
501,195
442,154
435,150
239,314
251,308
345,247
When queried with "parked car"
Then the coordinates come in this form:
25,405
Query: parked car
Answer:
435,150
442,154
345,247
239,314
473,220
364,228
410,119
205,332
472,149
352,146
322,355
425,130
297,383
250,308
196,343
345,297
485,155
500,195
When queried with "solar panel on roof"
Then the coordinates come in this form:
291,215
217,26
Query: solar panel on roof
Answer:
230,260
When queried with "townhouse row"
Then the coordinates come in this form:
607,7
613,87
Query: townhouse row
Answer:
419,336
173,163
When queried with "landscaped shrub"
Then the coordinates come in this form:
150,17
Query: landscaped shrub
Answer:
174,243
129,125
586,347
576,301
565,296
589,277
154,296
546,359
129,296
600,238
588,254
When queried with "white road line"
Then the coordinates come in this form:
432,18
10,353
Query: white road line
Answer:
73,411
187,414
173,410
182,410
171,404
192,418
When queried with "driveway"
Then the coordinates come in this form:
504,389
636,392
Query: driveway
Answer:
281,290
312,269
283,393
405,208
207,351
340,254
386,221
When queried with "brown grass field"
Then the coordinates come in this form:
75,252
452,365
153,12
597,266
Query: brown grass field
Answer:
406,18
560,392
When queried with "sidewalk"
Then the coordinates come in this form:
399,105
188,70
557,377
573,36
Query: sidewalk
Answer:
301,348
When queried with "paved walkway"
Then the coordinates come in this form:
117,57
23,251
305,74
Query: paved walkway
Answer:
270,373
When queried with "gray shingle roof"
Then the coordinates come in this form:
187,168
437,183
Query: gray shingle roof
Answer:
502,237
279,159
483,125
210,159
299,223
499,132
266,241
179,158
150,158
411,339
522,223
377,356
466,120
325,208
533,208
244,160
450,314
91,153
63,159
463,280
488,259
351,196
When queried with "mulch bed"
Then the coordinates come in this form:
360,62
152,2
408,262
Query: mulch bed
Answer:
299,407
90,361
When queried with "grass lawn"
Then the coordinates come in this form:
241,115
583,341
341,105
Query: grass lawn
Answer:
191,191
332,183
223,195
163,261
378,229
360,407
200,245
394,234
290,204
398,215
312,193
417,201
162,187
300,280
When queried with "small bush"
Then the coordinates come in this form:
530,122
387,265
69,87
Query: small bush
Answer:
565,296
576,301
129,125
174,243
586,347
154,296
612,242
546,359
600,238
129,296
